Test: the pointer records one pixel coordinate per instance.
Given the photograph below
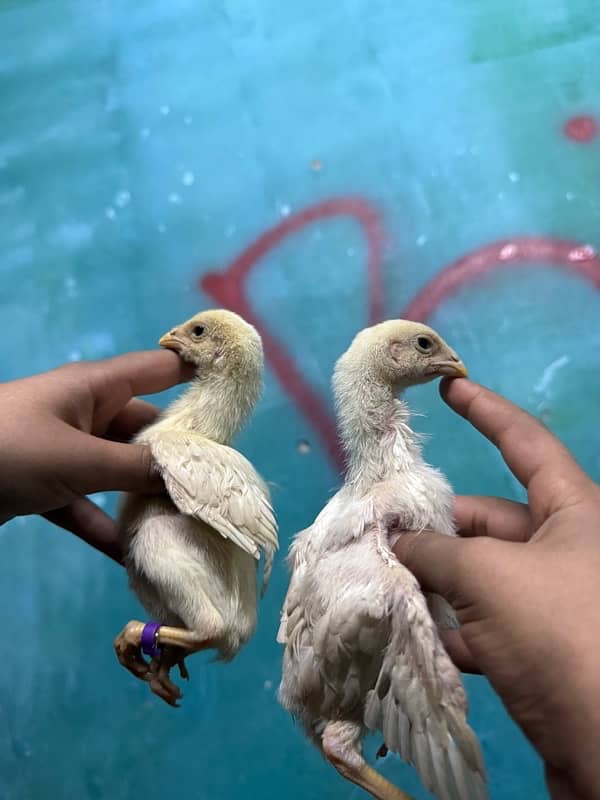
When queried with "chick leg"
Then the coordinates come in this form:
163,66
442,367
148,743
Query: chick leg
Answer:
128,650
341,746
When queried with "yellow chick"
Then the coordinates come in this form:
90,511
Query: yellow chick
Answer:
192,555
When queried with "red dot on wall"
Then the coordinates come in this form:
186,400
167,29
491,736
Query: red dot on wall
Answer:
581,128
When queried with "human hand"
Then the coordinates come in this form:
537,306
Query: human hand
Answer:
63,436
525,583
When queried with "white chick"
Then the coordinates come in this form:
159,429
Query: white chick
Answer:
192,556
362,650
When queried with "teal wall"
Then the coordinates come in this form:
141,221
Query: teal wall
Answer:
145,145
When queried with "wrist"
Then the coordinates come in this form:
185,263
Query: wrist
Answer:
581,732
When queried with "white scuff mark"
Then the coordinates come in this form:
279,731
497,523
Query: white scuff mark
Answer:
188,178
584,253
285,210
72,235
122,198
74,355
165,110
548,374
174,198
110,213
112,101
569,196
508,251
421,240
268,685
70,286
99,343
514,177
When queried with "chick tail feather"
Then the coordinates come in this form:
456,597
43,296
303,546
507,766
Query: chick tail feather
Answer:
420,706
267,569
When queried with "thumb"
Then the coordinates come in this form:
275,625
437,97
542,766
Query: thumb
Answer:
99,465
439,562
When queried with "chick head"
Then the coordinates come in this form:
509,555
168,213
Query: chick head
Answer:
400,353
218,342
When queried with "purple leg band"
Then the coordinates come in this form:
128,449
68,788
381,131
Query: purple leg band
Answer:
149,643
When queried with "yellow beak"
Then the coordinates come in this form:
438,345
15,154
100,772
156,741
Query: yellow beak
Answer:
460,370
170,342
453,369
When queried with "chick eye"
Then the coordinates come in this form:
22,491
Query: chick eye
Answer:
198,330
424,344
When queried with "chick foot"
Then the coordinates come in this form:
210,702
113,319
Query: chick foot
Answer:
159,675
128,650
168,647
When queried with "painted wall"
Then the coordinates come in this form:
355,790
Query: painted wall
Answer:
317,167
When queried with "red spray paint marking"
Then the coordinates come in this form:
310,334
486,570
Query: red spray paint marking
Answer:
581,129
521,251
229,290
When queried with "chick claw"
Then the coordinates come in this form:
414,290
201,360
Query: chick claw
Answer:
159,680
183,670
128,649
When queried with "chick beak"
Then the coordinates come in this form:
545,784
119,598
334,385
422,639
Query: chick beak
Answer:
452,367
170,341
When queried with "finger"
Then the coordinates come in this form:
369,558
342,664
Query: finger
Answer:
143,372
434,559
90,523
458,651
131,419
531,452
492,516
98,465
560,783
115,381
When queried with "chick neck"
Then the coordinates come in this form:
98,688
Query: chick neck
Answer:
373,423
215,406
